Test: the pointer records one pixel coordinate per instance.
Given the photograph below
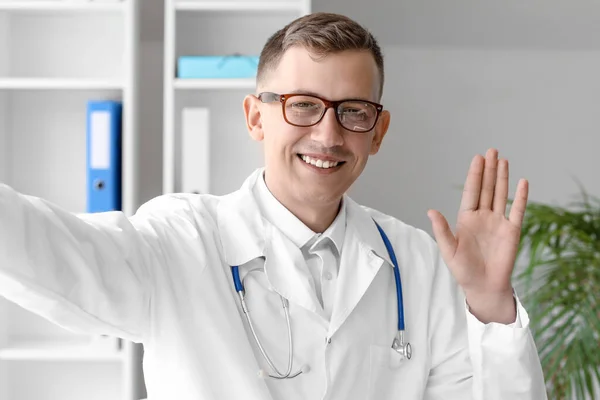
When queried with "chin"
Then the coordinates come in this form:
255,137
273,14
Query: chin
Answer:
318,196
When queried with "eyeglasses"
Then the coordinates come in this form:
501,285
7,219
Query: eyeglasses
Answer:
305,110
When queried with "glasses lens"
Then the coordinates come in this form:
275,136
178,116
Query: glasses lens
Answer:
303,110
357,116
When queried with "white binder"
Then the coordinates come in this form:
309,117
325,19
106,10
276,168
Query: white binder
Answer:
195,150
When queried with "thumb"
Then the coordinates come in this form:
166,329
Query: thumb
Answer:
443,235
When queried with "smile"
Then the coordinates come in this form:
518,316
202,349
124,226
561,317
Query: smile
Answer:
324,164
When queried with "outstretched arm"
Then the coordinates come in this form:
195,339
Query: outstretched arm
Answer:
89,273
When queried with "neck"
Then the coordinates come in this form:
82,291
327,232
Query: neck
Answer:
317,217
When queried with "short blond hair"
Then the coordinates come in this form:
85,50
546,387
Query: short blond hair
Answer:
321,34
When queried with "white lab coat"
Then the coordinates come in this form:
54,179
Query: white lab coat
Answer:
163,278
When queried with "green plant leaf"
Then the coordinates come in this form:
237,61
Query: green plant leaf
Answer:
560,283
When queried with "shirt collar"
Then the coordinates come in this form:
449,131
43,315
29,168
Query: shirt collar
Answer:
282,218
337,230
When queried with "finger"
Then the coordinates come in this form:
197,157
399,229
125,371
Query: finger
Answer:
489,180
470,196
517,211
443,235
501,192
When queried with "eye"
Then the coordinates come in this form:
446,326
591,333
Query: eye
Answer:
357,110
355,114
353,111
304,105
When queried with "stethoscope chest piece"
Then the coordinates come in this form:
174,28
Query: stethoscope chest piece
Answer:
402,348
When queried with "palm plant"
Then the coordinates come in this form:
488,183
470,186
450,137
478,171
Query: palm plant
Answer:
559,284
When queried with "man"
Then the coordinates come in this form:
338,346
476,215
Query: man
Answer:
319,280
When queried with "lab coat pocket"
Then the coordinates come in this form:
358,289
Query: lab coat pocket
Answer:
387,374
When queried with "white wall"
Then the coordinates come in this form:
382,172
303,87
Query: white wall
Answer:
506,24
539,108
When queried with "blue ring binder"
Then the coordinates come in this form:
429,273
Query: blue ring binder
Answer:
104,164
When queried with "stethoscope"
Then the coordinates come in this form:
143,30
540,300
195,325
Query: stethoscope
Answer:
398,344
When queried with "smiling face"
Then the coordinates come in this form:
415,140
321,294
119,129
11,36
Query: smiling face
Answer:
315,165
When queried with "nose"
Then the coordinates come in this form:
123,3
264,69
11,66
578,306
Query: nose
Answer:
328,132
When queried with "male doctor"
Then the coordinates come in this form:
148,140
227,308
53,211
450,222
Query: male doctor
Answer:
319,282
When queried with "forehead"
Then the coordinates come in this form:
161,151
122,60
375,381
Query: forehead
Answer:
342,75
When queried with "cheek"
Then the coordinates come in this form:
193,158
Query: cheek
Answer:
360,145
282,138
272,122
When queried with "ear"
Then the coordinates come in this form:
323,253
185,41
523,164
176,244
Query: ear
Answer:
380,131
253,120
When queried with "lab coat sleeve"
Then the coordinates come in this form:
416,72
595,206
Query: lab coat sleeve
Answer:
89,273
505,360
472,360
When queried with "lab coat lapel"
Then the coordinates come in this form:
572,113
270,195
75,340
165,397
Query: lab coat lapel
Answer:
242,235
364,226
287,271
363,256
241,226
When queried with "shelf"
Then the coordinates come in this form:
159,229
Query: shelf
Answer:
58,351
58,84
59,5
272,5
191,84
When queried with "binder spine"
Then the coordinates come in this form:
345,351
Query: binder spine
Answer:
104,164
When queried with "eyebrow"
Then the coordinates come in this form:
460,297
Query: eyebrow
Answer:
310,93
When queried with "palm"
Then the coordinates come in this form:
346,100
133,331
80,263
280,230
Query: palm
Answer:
486,248
482,251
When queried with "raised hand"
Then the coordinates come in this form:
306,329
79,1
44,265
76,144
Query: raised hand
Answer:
481,253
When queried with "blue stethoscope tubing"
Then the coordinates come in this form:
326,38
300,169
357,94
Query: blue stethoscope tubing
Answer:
398,344
400,300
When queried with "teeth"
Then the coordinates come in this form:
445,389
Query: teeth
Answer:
319,163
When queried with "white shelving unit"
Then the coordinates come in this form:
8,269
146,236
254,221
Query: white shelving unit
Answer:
55,55
217,28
